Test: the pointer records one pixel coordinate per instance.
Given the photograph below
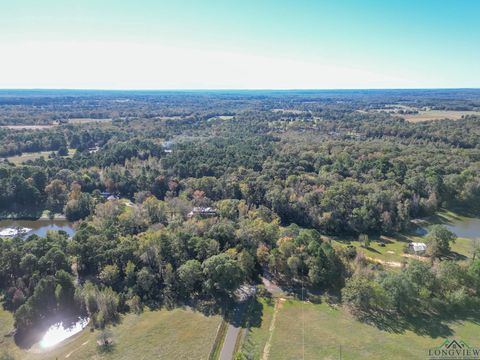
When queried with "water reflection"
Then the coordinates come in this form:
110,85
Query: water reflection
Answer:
57,332
39,227
465,227
420,231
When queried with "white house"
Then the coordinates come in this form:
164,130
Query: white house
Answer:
205,211
418,247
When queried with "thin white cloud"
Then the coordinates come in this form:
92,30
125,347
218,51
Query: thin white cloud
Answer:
151,66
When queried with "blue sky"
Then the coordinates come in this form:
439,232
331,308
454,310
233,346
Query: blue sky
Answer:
280,44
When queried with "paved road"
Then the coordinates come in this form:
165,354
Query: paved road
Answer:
235,325
233,330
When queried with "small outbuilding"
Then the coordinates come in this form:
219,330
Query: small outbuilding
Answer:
418,248
202,211
110,196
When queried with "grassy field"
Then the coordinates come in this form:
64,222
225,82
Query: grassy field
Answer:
392,253
176,334
35,155
438,115
221,117
257,336
289,111
86,120
28,127
285,324
422,115
326,330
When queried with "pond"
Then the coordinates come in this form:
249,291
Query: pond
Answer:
61,331
43,336
40,226
465,227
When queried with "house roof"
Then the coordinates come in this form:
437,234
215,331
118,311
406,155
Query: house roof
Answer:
418,246
203,211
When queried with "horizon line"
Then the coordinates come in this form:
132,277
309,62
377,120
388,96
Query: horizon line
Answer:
232,89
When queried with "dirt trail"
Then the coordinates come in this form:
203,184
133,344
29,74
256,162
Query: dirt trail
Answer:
71,352
387,263
266,350
416,257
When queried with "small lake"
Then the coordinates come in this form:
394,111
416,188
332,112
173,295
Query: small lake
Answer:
51,331
465,227
39,227
61,331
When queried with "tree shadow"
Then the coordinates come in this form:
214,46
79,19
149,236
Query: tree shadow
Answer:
253,315
209,307
403,237
471,212
440,219
106,348
382,321
385,239
432,324
420,324
455,256
369,248
235,314
428,325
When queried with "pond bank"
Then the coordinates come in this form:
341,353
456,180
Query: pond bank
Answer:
31,215
463,226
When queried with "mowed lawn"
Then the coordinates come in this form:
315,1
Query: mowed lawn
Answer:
163,334
258,336
392,254
87,120
18,159
328,330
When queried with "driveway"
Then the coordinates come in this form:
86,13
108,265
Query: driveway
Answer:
235,325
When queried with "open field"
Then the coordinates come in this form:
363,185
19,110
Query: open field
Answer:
257,336
438,115
289,111
86,120
392,253
29,127
327,330
221,117
176,334
422,115
18,159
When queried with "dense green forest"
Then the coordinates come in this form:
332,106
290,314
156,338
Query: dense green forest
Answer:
281,171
